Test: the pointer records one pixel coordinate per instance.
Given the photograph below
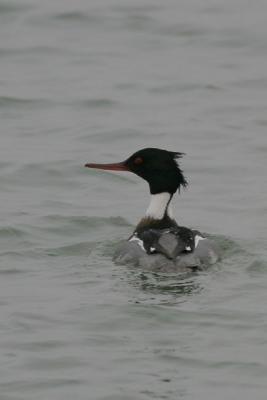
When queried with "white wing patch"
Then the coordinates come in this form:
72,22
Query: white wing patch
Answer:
140,242
136,239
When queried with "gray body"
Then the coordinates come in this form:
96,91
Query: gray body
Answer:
132,252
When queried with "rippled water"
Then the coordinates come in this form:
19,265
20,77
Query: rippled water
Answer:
94,81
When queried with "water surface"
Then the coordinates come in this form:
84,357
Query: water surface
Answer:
92,82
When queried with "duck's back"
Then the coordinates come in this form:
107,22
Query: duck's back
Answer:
168,250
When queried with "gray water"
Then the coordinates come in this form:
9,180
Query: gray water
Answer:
93,81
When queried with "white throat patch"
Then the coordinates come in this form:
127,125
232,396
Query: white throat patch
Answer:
158,205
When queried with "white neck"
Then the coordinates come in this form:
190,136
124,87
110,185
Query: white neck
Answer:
159,203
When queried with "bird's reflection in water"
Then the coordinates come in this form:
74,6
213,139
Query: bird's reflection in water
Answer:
164,288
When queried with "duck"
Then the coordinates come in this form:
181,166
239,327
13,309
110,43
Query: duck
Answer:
158,242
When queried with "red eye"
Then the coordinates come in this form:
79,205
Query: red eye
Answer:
138,161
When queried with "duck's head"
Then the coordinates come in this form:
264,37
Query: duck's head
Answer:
158,167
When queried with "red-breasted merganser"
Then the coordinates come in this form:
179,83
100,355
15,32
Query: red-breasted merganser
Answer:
158,242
